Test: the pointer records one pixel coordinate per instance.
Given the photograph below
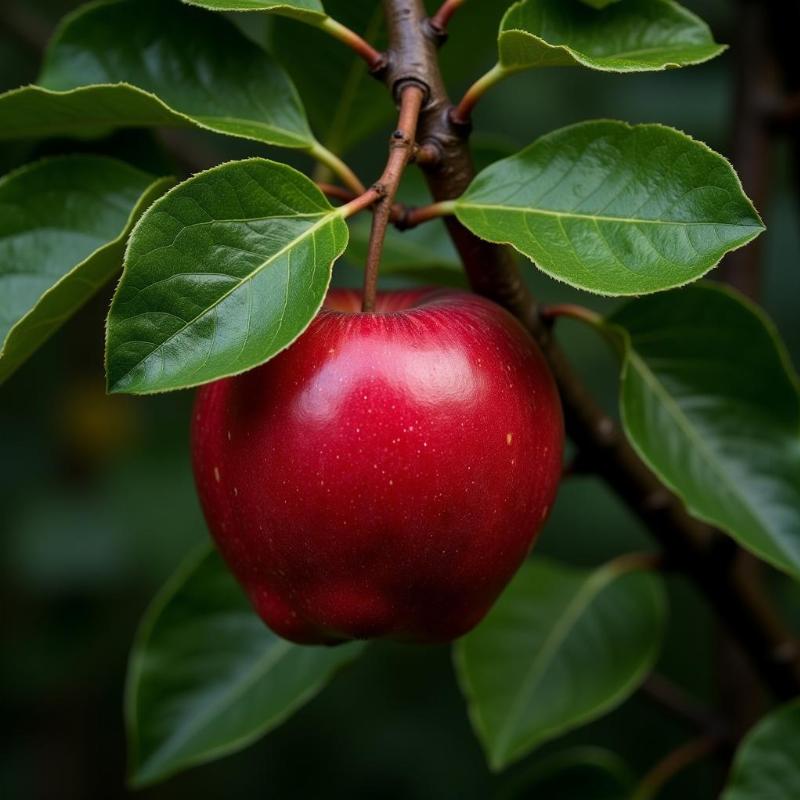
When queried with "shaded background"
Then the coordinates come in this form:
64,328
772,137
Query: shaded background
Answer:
97,505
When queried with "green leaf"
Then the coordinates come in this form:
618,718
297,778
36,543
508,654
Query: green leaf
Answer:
345,103
561,647
599,4
63,225
306,10
767,764
711,403
613,208
131,64
207,677
634,36
579,772
221,273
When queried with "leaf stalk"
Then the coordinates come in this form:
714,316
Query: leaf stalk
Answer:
337,166
374,59
462,113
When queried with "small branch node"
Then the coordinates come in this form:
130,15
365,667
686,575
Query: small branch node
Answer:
428,154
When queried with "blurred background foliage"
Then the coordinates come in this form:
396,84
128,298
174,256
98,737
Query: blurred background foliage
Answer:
97,505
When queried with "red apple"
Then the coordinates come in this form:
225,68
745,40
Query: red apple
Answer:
387,474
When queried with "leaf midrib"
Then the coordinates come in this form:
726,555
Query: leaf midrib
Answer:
272,657
683,422
328,217
594,584
468,205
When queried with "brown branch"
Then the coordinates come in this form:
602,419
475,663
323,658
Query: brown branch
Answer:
401,147
401,216
492,271
336,192
675,762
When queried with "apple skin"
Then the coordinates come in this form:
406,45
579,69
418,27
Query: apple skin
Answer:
386,475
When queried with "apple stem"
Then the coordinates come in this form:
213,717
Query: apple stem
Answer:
401,149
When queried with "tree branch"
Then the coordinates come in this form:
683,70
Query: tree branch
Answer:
492,272
401,148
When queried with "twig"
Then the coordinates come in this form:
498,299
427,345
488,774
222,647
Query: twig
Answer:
441,19
400,149
359,203
553,312
374,59
407,218
492,271
462,113
401,216
675,762
336,192
684,707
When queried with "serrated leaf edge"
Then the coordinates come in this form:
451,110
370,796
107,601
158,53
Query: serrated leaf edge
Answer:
586,61
151,192
560,278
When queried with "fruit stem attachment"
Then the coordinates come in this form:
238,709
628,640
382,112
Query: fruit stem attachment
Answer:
462,113
441,19
401,148
684,756
337,166
374,59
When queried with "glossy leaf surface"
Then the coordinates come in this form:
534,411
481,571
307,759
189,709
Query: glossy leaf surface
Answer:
63,225
634,36
767,765
600,4
306,10
561,647
612,208
345,103
221,273
129,63
207,677
711,402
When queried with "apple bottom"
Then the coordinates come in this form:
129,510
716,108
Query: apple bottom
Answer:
386,475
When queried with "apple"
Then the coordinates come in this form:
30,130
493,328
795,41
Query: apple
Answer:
384,476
